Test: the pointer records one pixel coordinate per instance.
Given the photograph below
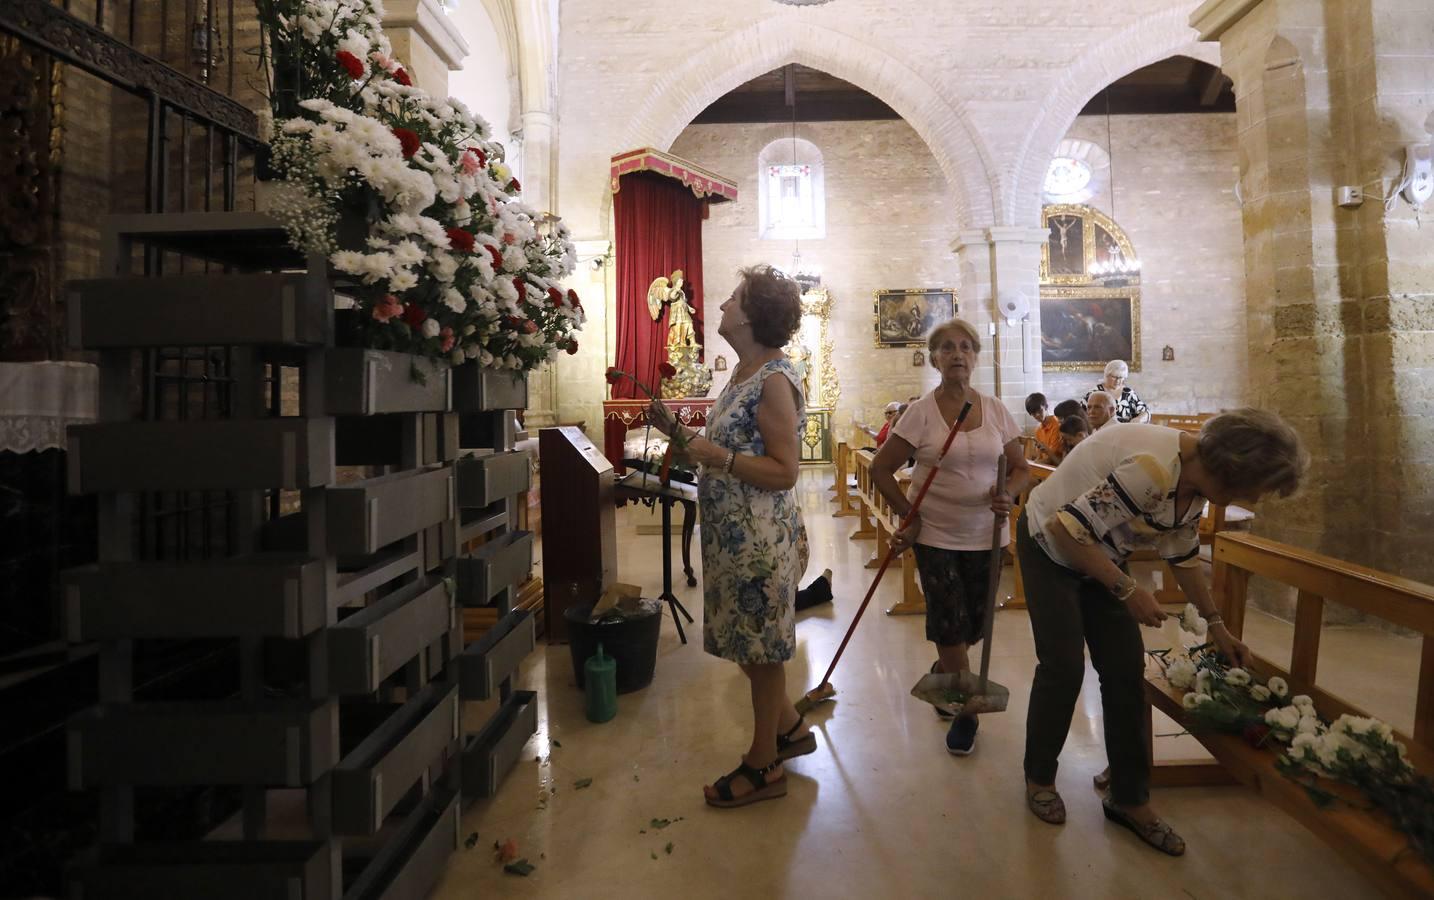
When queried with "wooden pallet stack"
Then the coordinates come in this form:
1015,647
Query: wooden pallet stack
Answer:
340,595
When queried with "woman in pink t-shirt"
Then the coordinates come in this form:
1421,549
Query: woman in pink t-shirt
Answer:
951,534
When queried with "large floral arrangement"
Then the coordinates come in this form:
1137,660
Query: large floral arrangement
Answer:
1352,750
446,261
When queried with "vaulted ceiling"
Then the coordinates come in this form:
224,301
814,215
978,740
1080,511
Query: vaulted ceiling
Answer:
1175,85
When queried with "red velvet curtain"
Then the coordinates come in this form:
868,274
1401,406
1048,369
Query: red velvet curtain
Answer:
659,230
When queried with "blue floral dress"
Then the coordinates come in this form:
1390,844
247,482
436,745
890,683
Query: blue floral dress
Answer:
754,545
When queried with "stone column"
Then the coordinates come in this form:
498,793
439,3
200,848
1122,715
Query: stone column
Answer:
1003,258
426,41
1340,301
539,181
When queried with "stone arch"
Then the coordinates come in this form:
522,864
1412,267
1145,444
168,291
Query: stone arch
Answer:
1149,40
683,92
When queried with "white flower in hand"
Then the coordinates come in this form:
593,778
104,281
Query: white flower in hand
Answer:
1278,686
1237,677
1191,621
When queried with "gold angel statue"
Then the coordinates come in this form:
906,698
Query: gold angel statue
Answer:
664,292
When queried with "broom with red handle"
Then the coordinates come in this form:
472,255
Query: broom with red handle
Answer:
825,691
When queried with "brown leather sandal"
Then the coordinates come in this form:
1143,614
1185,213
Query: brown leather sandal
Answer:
1047,806
1157,834
762,789
787,748
1101,782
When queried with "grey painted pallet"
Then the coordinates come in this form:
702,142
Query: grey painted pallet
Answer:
214,870
486,663
272,742
481,390
366,515
361,382
483,480
411,863
494,566
264,595
488,755
371,645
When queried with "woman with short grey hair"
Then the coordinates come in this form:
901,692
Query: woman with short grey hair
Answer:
1120,490
1128,405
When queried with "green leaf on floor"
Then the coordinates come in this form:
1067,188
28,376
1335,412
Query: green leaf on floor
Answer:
556,742
519,867
654,855
582,783
669,848
471,842
659,824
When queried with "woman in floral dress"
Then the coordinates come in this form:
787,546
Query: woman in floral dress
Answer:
754,546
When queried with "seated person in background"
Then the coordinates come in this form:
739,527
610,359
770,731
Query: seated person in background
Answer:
1048,427
1100,410
1074,429
893,410
1128,405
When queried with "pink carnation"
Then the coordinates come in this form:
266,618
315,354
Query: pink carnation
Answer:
387,308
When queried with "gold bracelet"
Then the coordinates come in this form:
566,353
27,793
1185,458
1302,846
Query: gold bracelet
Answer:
731,460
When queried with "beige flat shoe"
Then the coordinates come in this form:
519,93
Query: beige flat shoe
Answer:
1047,805
1157,834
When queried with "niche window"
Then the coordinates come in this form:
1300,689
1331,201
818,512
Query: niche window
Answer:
791,196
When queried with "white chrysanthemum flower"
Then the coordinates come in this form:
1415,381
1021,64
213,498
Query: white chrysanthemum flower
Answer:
1237,677
1190,701
1283,718
1278,686
1260,693
402,280
454,301
431,328
1181,673
1302,702
1307,725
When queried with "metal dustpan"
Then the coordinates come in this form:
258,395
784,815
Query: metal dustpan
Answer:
968,692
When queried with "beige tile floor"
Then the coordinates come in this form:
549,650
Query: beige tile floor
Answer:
881,810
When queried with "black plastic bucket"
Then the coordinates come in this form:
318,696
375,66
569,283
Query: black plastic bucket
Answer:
631,641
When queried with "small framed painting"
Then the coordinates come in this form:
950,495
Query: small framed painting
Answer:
904,318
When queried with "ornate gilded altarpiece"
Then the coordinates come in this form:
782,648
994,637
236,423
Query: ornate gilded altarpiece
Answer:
812,353
1087,320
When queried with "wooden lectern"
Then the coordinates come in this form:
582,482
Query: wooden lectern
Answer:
579,524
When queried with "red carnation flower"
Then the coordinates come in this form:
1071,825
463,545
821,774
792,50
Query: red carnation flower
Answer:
573,299
461,240
513,321
352,64
401,76
572,348
530,327
556,296
521,287
408,140
496,254
614,375
514,186
474,161
666,369
1255,734
414,315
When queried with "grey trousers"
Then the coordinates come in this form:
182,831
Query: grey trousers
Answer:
1070,612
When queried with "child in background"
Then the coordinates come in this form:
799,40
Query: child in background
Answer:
1048,427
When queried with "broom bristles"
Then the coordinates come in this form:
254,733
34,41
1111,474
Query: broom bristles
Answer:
819,694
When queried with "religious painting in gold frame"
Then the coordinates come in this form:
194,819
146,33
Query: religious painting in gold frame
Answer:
1087,320
1083,328
904,318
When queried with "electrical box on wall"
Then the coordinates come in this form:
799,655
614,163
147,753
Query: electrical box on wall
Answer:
1351,197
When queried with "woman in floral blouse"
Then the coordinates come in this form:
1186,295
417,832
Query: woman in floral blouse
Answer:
754,546
1128,405
1123,489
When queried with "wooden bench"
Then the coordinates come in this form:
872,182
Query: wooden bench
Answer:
1191,423
1370,844
879,522
846,504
